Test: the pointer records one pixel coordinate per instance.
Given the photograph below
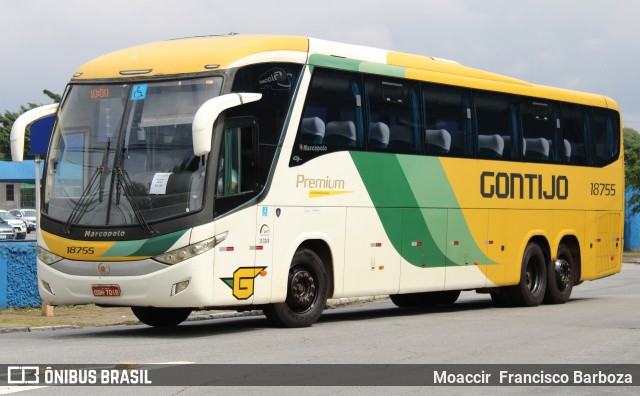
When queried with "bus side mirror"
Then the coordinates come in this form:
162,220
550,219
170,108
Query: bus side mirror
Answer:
205,117
21,124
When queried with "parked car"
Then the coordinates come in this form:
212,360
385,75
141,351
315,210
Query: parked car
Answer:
6,231
18,225
26,215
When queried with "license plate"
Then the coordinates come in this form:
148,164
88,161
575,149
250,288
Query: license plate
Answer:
106,290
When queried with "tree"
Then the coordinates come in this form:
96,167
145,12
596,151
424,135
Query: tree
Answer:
632,167
6,122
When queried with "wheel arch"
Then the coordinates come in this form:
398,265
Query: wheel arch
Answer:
572,242
543,242
322,249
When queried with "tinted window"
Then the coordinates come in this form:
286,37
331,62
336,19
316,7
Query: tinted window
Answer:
496,120
447,117
276,82
540,132
575,124
394,116
606,131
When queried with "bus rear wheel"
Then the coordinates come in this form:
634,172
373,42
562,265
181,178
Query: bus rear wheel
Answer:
306,292
560,277
161,317
533,278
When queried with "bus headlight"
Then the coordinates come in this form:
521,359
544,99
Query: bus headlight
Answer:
178,255
46,256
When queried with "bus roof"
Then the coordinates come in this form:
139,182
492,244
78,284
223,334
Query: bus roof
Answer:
201,54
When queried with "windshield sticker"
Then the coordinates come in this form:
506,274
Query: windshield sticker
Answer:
139,92
275,79
159,183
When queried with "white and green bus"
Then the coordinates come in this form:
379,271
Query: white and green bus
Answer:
275,172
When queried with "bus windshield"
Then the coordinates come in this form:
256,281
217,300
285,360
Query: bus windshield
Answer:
123,154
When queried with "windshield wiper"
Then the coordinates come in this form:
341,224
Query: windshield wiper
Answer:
81,207
122,180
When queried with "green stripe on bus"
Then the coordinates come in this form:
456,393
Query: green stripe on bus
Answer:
147,247
383,69
426,206
334,62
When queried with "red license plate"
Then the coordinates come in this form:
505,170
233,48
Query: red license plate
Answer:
106,290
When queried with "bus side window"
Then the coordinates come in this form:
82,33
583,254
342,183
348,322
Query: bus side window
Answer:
496,126
540,131
575,134
333,113
394,116
448,120
606,130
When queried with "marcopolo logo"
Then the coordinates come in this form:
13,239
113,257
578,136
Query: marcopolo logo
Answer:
274,79
104,234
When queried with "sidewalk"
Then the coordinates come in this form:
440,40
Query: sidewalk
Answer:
31,319
68,317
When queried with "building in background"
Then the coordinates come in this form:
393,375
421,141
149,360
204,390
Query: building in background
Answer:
17,184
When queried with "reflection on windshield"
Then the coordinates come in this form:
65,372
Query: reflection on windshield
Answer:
123,154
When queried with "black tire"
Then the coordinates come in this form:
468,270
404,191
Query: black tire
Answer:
404,300
446,297
306,292
560,277
426,299
161,317
533,278
501,297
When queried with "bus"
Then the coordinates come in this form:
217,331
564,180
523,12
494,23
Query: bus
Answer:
275,172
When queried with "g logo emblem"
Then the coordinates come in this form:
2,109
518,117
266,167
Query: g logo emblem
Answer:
243,281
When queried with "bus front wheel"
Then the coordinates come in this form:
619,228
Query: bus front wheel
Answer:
161,317
306,292
533,278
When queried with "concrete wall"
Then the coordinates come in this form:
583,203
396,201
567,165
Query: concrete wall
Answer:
631,228
18,278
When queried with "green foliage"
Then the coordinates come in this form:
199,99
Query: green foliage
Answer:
632,167
6,122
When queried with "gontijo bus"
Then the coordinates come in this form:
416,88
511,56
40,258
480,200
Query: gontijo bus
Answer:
275,172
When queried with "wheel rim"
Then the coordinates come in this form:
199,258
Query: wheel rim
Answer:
532,274
563,274
302,290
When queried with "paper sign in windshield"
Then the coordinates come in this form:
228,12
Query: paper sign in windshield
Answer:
159,183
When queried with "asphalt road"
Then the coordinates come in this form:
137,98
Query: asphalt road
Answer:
599,325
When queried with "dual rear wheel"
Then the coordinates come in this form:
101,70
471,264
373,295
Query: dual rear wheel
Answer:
541,280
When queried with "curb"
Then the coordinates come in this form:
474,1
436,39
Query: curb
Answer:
331,304
36,328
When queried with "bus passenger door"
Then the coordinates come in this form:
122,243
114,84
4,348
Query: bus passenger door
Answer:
236,184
